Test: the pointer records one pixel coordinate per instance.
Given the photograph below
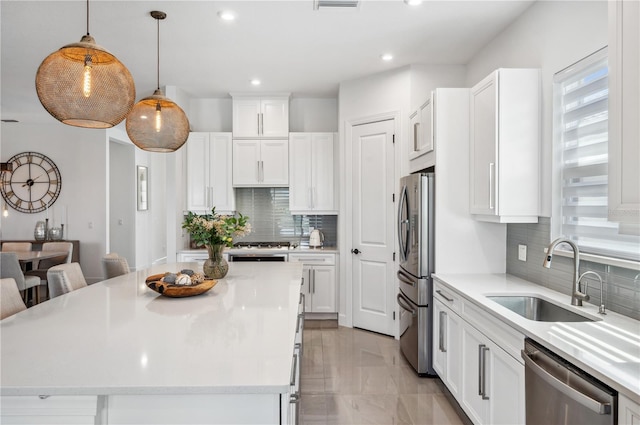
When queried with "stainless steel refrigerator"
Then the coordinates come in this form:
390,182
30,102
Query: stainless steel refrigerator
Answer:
416,244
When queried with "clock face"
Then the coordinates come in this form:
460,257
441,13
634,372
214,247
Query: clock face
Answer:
33,185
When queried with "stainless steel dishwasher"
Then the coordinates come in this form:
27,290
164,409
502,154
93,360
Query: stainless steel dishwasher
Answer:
557,392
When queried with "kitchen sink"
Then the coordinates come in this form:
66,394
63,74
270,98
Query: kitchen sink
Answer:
538,309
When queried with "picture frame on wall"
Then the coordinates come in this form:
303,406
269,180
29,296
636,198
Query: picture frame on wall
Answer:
142,178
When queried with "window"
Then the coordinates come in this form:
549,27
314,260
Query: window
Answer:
581,136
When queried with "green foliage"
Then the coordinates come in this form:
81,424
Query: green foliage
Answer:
215,229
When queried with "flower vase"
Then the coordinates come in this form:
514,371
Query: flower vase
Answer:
215,267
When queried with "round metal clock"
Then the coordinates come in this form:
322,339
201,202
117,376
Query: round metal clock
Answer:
33,185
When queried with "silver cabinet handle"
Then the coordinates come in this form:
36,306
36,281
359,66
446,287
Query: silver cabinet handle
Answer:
261,123
302,301
444,296
415,137
443,318
404,306
403,244
258,117
294,369
314,281
298,346
573,393
310,203
492,171
482,371
404,278
262,172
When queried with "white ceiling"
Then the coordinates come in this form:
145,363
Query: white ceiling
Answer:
287,44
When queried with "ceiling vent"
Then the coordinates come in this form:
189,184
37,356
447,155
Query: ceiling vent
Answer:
345,4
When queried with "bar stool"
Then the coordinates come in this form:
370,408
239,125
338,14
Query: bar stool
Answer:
10,267
10,299
65,278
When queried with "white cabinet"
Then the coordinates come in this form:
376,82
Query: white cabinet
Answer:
447,346
492,381
209,182
624,111
628,411
260,117
260,163
504,146
421,138
311,173
56,409
196,256
319,282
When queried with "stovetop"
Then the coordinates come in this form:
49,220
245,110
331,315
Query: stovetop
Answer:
264,245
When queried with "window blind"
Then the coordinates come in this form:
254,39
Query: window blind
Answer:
581,105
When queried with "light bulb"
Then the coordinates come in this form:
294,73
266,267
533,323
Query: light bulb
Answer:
86,83
158,118
5,211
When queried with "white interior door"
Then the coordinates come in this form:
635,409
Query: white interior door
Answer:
373,268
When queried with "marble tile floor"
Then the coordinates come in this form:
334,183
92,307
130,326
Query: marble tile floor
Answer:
351,376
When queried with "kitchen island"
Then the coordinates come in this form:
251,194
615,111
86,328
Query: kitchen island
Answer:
117,352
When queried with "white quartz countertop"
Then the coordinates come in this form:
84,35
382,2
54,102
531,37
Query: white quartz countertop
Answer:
608,348
120,337
297,250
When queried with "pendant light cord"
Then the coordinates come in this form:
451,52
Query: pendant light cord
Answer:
87,17
158,53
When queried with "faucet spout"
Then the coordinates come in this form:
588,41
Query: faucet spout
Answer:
577,296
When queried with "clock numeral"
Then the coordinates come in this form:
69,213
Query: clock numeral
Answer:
50,170
30,205
18,162
29,158
18,203
42,203
50,193
53,182
10,194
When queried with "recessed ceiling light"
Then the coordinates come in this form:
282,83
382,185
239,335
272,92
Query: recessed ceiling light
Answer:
255,82
413,2
386,57
227,15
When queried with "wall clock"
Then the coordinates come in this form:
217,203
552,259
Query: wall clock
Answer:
33,185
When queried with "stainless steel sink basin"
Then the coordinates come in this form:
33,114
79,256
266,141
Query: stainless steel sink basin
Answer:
538,309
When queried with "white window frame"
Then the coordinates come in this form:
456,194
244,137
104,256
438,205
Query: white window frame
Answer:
557,216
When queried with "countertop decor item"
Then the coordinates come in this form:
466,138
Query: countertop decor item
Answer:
168,130
178,291
84,85
215,231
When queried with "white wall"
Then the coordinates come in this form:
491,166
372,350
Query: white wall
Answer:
425,78
210,115
122,200
313,115
81,156
550,35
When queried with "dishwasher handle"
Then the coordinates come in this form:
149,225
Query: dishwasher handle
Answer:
586,401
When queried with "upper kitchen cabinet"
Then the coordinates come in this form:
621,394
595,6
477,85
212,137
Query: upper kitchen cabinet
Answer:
421,137
260,163
624,111
209,158
260,117
504,146
311,173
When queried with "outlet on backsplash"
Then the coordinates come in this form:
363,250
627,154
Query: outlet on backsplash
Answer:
522,252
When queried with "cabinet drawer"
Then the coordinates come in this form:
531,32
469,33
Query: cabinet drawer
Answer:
313,259
49,409
448,297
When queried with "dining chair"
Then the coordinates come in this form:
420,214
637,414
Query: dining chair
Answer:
10,268
65,278
47,263
10,299
114,265
17,246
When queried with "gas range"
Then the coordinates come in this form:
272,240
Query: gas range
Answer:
285,246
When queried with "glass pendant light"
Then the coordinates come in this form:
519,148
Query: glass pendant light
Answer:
156,123
84,85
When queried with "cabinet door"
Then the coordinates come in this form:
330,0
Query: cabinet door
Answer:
246,117
483,146
453,347
624,111
274,121
300,172
425,141
220,173
414,134
323,289
246,162
306,288
198,172
628,411
504,387
322,156
473,345
439,341
274,163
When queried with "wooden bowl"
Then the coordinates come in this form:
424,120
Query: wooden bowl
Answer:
178,291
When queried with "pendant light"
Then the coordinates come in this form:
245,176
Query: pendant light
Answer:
156,123
84,85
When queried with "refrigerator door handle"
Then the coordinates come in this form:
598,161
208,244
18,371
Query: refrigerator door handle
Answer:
405,278
404,306
403,245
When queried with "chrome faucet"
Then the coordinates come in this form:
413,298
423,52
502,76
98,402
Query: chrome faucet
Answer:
601,309
576,296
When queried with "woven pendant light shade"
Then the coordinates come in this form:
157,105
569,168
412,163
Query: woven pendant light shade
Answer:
84,85
157,124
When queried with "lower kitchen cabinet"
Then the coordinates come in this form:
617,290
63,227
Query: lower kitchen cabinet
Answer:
628,411
319,282
447,346
492,381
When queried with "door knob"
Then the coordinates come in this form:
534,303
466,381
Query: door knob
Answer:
355,251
